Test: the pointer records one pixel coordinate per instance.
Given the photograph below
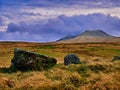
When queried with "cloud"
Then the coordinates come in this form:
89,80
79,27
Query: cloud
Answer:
54,3
3,22
92,21
42,10
71,11
58,27
44,14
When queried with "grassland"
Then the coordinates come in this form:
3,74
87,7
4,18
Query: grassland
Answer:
96,71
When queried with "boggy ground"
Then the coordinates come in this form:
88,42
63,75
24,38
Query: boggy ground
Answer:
96,71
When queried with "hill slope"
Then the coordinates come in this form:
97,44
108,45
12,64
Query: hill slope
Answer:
94,36
67,37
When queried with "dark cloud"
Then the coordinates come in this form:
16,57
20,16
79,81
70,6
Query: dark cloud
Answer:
19,27
12,27
77,24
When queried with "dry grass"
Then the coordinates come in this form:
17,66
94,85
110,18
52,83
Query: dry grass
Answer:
96,71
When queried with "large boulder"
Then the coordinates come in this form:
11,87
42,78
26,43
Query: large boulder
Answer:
116,58
71,58
25,60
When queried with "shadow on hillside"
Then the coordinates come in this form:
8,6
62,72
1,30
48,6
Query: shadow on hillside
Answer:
7,70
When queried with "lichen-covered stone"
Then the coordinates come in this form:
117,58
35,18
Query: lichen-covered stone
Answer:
25,60
116,58
71,58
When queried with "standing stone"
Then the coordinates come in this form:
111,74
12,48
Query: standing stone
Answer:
71,58
25,60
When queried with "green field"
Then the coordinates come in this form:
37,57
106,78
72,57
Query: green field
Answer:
96,71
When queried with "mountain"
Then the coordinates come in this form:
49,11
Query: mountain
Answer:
95,33
91,36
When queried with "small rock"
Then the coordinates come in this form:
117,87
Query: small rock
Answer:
71,58
25,60
11,84
116,58
8,82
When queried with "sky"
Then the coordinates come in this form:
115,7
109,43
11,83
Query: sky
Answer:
50,20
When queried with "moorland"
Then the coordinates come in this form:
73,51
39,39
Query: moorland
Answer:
96,71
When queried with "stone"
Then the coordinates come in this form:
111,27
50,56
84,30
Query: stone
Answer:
24,60
71,59
116,58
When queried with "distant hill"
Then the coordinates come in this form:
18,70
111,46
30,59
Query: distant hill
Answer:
91,36
67,37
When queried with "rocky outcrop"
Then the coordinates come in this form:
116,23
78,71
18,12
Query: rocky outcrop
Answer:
25,60
71,58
